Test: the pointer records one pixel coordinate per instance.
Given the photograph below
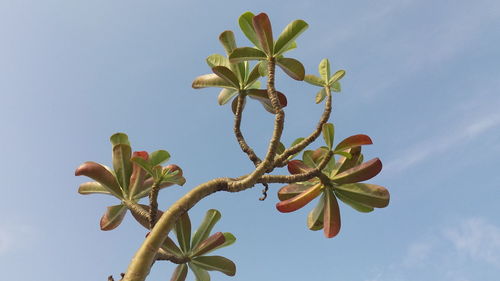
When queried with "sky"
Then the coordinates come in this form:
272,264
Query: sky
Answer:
422,81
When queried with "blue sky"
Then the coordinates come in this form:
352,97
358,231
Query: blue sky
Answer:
422,80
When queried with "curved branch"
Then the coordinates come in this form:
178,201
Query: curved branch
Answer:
239,136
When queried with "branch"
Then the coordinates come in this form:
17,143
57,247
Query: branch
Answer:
166,256
239,136
153,204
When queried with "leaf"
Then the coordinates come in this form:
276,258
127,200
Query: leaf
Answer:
246,24
170,247
226,74
217,263
234,104
122,164
280,149
183,232
226,95
314,80
119,138
138,174
320,96
143,163
344,163
102,175
159,157
92,187
227,40
353,141
263,98
208,244
200,273
328,133
113,217
291,190
229,240
324,70
362,172
292,67
315,217
336,87
298,167
264,32
300,200
288,36
211,218
180,273
211,80
296,141
343,153
355,205
289,48
367,194
307,158
253,76
336,77
263,68
246,53
331,218
217,60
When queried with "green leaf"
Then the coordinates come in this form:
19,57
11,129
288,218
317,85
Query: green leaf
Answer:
138,174
183,232
291,190
353,141
315,217
263,68
314,80
300,200
208,244
246,24
246,53
159,157
355,205
289,48
288,36
320,96
344,163
362,172
217,263
292,67
227,40
253,76
331,218
200,273
113,217
280,149
143,163
324,69
336,77
336,87
226,95
343,153
328,133
180,273
226,74
217,60
122,164
296,141
102,175
170,247
211,218
119,138
264,32
92,187
211,80
307,158
229,240
367,194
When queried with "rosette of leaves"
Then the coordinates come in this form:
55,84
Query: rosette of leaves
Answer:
127,181
257,28
234,78
341,179
325,80
193,250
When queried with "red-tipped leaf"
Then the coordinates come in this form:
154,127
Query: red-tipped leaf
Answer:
208,244
362,172
113,217
331,219
353,141
291,190
300,200
100,174
264,32
298,167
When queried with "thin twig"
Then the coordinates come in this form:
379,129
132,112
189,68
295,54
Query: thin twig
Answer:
239,136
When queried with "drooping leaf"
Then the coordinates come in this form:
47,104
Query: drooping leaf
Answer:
208,244
328,131
227,40
211,80
217,263
324,69
291,190
315,217
336,87
300,200
245,54
183,232
234,104
226,74
92,187
368,194
226,95
355,205
331,218
362,172
119,138
298,167
288,36
113,217
180,273
102,175
336,77
246,24
211,218
353,141
314,80
199,273
217,60
264,32
320,96
262,97
292,67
